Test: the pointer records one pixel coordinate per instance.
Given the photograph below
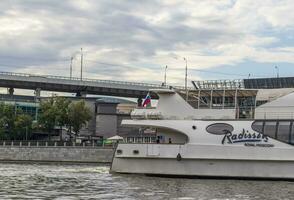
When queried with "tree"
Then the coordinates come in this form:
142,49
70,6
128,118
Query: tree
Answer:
14,124
2,121
47,118
78,114
23,124
59,111
9,117
62,107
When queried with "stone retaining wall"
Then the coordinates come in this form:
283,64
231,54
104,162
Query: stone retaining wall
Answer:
56,154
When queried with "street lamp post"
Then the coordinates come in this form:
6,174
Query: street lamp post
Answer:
82,64
70,72
186,75
165,75
277,68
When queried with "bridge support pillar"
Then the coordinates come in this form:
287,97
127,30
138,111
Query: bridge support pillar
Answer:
37,94
10,91
81,94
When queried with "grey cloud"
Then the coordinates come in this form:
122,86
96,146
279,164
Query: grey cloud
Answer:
107,24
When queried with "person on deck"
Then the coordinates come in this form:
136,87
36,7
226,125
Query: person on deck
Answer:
158,140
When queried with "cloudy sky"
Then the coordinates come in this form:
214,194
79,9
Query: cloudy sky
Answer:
133,40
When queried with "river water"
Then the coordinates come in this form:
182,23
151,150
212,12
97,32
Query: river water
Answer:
62,182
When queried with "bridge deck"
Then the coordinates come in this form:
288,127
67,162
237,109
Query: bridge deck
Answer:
75,85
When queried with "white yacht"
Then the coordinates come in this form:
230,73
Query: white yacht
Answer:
211,142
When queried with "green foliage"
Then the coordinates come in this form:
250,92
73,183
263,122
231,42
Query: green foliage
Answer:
23,125
14,124
59,111
47,118
62,107
2,127
79,114
54,112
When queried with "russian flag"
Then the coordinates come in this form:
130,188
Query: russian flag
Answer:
147,100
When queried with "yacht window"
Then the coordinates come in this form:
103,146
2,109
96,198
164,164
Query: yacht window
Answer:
219,128
257,126
139,140
283,131
130,139
270,129
147,139
292,134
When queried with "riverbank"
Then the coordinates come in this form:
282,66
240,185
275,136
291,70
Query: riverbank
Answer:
56,154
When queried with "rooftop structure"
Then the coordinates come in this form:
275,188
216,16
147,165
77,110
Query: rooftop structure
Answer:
218,84
269,83
252,83
241,94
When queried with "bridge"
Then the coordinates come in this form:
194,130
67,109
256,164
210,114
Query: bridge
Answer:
75,85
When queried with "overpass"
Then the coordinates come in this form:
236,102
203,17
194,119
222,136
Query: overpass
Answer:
75,85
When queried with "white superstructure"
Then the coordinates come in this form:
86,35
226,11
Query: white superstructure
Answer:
209,142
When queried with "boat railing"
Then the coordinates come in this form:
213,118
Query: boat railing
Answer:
155,143
274,115
145,108
146,114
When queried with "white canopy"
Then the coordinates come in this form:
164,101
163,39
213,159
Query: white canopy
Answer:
272,94
116,137
285,101
281,108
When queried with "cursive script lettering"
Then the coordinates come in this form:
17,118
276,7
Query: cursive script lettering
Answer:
244,136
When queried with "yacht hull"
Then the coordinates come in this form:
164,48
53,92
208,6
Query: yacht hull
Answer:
189,143
204,161
206,168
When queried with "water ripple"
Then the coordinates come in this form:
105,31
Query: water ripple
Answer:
75,182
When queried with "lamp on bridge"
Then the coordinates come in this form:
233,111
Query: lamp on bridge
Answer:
186,75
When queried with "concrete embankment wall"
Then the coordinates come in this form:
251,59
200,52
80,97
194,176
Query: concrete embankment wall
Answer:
56,154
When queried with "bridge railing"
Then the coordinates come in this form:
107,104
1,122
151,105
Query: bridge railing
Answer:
149,85
83,80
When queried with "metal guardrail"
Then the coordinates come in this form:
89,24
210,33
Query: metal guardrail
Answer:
5,143
83,80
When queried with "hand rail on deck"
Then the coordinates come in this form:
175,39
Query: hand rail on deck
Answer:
274,115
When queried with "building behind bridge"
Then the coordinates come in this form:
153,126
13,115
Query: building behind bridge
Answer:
107,113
